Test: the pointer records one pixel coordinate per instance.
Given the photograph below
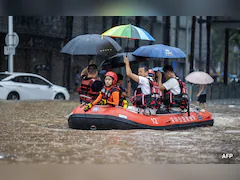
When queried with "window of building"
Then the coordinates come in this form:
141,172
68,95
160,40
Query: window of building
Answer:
182,21
160,19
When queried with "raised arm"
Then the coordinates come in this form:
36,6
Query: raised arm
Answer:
129,71
85,70
160,85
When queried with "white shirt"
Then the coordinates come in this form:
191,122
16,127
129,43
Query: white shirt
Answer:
172,85
144,85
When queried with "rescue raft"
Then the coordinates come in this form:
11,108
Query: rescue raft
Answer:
107,118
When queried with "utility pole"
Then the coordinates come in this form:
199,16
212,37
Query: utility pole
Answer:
11,41
10,32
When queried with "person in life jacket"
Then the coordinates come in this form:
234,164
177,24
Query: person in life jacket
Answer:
109,95
155,91
123,92
175,92
143,95
90,85
151,74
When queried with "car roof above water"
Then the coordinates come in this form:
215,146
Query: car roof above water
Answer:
18,73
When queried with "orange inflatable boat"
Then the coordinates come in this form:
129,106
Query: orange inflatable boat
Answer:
107,117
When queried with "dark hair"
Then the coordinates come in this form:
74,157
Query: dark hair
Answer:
144,67
92,68
120,77
168,68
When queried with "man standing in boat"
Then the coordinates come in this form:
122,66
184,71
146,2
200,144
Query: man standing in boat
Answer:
90,85
175,92
142,96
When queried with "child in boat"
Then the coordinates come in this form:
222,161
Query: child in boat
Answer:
109,93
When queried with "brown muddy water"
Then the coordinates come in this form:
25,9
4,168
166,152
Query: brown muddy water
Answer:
37,132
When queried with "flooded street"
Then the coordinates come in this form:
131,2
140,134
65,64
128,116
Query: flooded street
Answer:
37,132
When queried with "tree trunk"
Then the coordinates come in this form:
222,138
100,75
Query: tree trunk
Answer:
192,43
226,57
166,34
67,58
208,43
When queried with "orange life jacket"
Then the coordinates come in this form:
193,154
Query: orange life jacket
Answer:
106,94
180,100
85,90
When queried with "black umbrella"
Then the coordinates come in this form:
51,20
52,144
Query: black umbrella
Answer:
91,44
117,60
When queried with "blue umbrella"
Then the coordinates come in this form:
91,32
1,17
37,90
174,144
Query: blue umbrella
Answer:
159,51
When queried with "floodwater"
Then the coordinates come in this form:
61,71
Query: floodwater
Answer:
37,132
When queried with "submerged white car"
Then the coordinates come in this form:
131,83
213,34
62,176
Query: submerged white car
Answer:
27,86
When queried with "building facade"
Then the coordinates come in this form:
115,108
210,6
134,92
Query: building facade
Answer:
41,39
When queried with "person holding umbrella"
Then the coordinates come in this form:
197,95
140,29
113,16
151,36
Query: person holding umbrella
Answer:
202,79
175,91
143,94
151,73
